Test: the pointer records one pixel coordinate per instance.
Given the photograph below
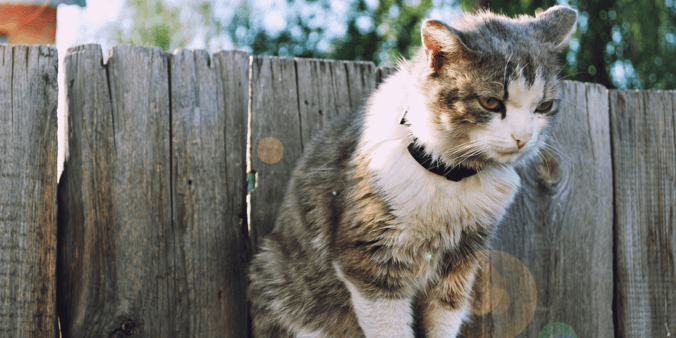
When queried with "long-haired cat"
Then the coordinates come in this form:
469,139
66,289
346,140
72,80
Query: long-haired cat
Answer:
385,207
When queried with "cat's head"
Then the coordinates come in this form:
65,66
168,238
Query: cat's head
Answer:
486,88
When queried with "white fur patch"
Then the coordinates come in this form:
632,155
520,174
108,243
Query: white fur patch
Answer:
380,318
444,323
447,323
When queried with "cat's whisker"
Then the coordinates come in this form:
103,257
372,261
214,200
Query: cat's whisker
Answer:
504,74
569,75
469,155
569,160
462,147
561,158
560,155
475,145
541,156
562,68
322,167
455,150
573,103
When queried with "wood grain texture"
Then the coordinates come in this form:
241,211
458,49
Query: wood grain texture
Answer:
323,94
209,192
361,81
152,199
644,158
292,100
560,227
274,113
28,146
119,268
382,73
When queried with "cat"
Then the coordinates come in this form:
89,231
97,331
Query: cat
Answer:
390,202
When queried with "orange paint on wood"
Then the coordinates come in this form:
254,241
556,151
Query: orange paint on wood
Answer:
28,24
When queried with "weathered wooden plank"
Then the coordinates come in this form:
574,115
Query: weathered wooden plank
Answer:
287,98
275,118
234,69
28,146
119,269
383,73
560,227
320,89
361,81
341,82
208,191
644,158
84,192
315,93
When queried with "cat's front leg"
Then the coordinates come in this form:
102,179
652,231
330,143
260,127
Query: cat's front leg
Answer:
446,306
379,315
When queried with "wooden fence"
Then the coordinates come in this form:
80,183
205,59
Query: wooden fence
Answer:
155,226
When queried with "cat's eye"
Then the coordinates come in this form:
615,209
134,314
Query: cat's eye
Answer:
544,106
490,103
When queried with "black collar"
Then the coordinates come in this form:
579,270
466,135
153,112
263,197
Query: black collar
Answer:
453,173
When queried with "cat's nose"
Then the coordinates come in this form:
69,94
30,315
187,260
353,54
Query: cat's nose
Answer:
521,140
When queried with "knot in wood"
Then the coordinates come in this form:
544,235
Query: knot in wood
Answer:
549,169
128,327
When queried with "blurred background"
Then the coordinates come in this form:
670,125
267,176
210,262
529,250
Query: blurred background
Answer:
618,43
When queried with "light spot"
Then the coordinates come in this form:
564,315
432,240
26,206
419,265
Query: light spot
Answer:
558,330
511,303
270,150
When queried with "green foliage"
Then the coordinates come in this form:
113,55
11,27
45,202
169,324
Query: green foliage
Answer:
642,36
381,34
618,43
395,32
298,39
154,24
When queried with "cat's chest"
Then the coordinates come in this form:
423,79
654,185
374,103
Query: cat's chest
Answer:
431,212
429,205
433,215
433,221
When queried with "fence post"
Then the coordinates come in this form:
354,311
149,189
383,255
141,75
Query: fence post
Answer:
152,195
292,100
644,162
28,147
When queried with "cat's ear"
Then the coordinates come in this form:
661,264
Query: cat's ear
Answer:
556,25
442,44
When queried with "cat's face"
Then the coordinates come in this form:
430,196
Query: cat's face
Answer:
489,85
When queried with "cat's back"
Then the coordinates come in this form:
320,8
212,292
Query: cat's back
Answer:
291,280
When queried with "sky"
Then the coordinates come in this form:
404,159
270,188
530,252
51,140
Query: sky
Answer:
76,26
